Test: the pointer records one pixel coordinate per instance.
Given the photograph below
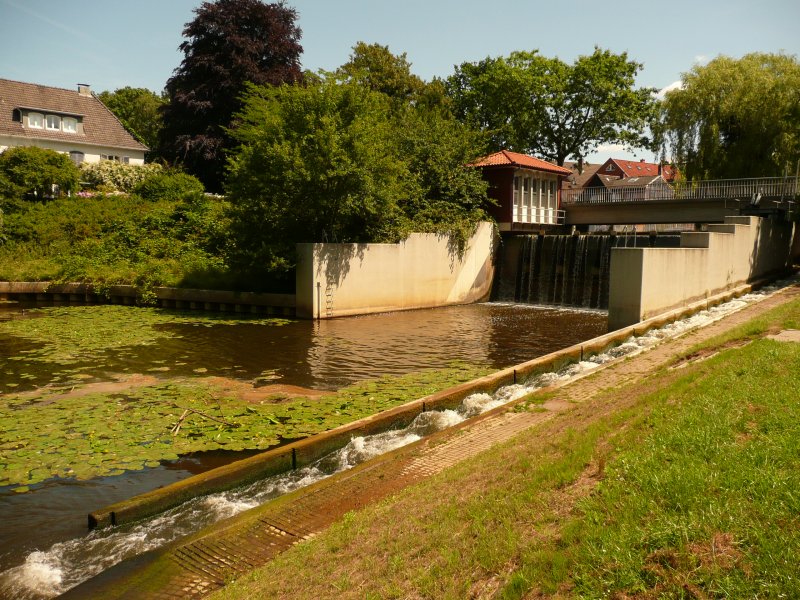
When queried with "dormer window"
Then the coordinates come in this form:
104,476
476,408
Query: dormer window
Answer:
69,124
53,122
35,120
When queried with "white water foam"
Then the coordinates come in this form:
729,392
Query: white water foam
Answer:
45,574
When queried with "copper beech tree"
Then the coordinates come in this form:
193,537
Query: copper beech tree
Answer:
228,44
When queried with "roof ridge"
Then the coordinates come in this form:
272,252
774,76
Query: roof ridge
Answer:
52,87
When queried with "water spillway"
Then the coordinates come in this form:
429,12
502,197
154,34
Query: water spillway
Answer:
563,270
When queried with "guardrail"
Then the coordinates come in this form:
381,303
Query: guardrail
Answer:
752,190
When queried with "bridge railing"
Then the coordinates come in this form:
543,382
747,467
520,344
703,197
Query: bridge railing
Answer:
772,188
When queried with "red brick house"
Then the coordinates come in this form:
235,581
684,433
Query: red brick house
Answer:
615,167
527,190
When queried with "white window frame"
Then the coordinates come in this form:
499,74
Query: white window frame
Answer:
55,119
39,118
69,120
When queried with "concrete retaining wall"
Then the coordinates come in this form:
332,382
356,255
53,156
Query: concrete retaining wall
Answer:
213,300
336,280
649,281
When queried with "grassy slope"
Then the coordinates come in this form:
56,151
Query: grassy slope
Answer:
687,487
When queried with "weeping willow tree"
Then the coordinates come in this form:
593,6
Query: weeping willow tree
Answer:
735,118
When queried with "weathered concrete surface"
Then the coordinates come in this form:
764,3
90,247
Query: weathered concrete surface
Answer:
336,280
652,211
193,567
649,281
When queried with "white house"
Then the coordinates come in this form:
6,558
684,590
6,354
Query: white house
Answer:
73,122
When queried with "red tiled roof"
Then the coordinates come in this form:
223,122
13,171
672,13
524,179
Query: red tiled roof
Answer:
633,168
508,158
100,126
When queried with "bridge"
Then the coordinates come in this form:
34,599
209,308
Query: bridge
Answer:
682,202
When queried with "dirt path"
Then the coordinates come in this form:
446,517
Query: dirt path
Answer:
194,567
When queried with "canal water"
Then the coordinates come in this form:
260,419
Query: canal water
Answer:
323,355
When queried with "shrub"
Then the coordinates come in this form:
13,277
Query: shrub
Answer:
169,186
110,175
38,172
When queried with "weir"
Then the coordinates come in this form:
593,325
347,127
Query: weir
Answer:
562,270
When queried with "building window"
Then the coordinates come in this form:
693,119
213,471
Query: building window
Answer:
54,122
76,156
35,120
610,168
113,157
69,124
126,160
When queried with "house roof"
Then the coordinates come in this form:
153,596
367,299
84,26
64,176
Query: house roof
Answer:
515,159
633,168
100,126
637,181
577,180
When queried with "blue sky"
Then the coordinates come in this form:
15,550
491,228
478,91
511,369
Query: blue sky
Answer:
114,43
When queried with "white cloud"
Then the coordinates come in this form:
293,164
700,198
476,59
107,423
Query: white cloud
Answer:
675,85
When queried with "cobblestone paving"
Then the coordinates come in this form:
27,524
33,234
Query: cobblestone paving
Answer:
255,537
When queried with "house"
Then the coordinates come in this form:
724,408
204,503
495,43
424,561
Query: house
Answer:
580,174
615,167
72,122
526,189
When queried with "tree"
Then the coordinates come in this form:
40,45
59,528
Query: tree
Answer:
38,172
139,111
340,162
735,118
312,167
229,43
533,104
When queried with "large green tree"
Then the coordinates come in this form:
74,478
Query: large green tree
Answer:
534,104
228,44
735,118
339,161
139,111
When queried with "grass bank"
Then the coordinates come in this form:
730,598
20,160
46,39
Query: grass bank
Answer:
681,485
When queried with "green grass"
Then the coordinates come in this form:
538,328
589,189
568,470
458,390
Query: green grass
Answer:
688,487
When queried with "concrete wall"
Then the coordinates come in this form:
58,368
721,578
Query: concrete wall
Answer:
336,280
648,281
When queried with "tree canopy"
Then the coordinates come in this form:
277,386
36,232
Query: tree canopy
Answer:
533,104
139,111
735,118
229,43
336,160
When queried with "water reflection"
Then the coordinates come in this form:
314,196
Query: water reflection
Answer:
329,354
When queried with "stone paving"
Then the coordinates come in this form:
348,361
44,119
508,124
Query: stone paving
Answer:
206,561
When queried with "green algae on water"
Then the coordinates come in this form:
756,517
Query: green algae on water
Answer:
60,433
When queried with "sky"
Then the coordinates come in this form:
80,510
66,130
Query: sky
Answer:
111,44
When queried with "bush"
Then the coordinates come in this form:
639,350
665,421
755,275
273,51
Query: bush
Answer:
169,186
110,175
38,172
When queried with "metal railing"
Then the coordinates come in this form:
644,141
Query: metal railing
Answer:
753,190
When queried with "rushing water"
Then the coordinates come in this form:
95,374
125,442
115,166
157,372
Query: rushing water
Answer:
46,573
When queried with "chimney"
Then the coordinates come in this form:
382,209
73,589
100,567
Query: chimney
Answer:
641,160
84,89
